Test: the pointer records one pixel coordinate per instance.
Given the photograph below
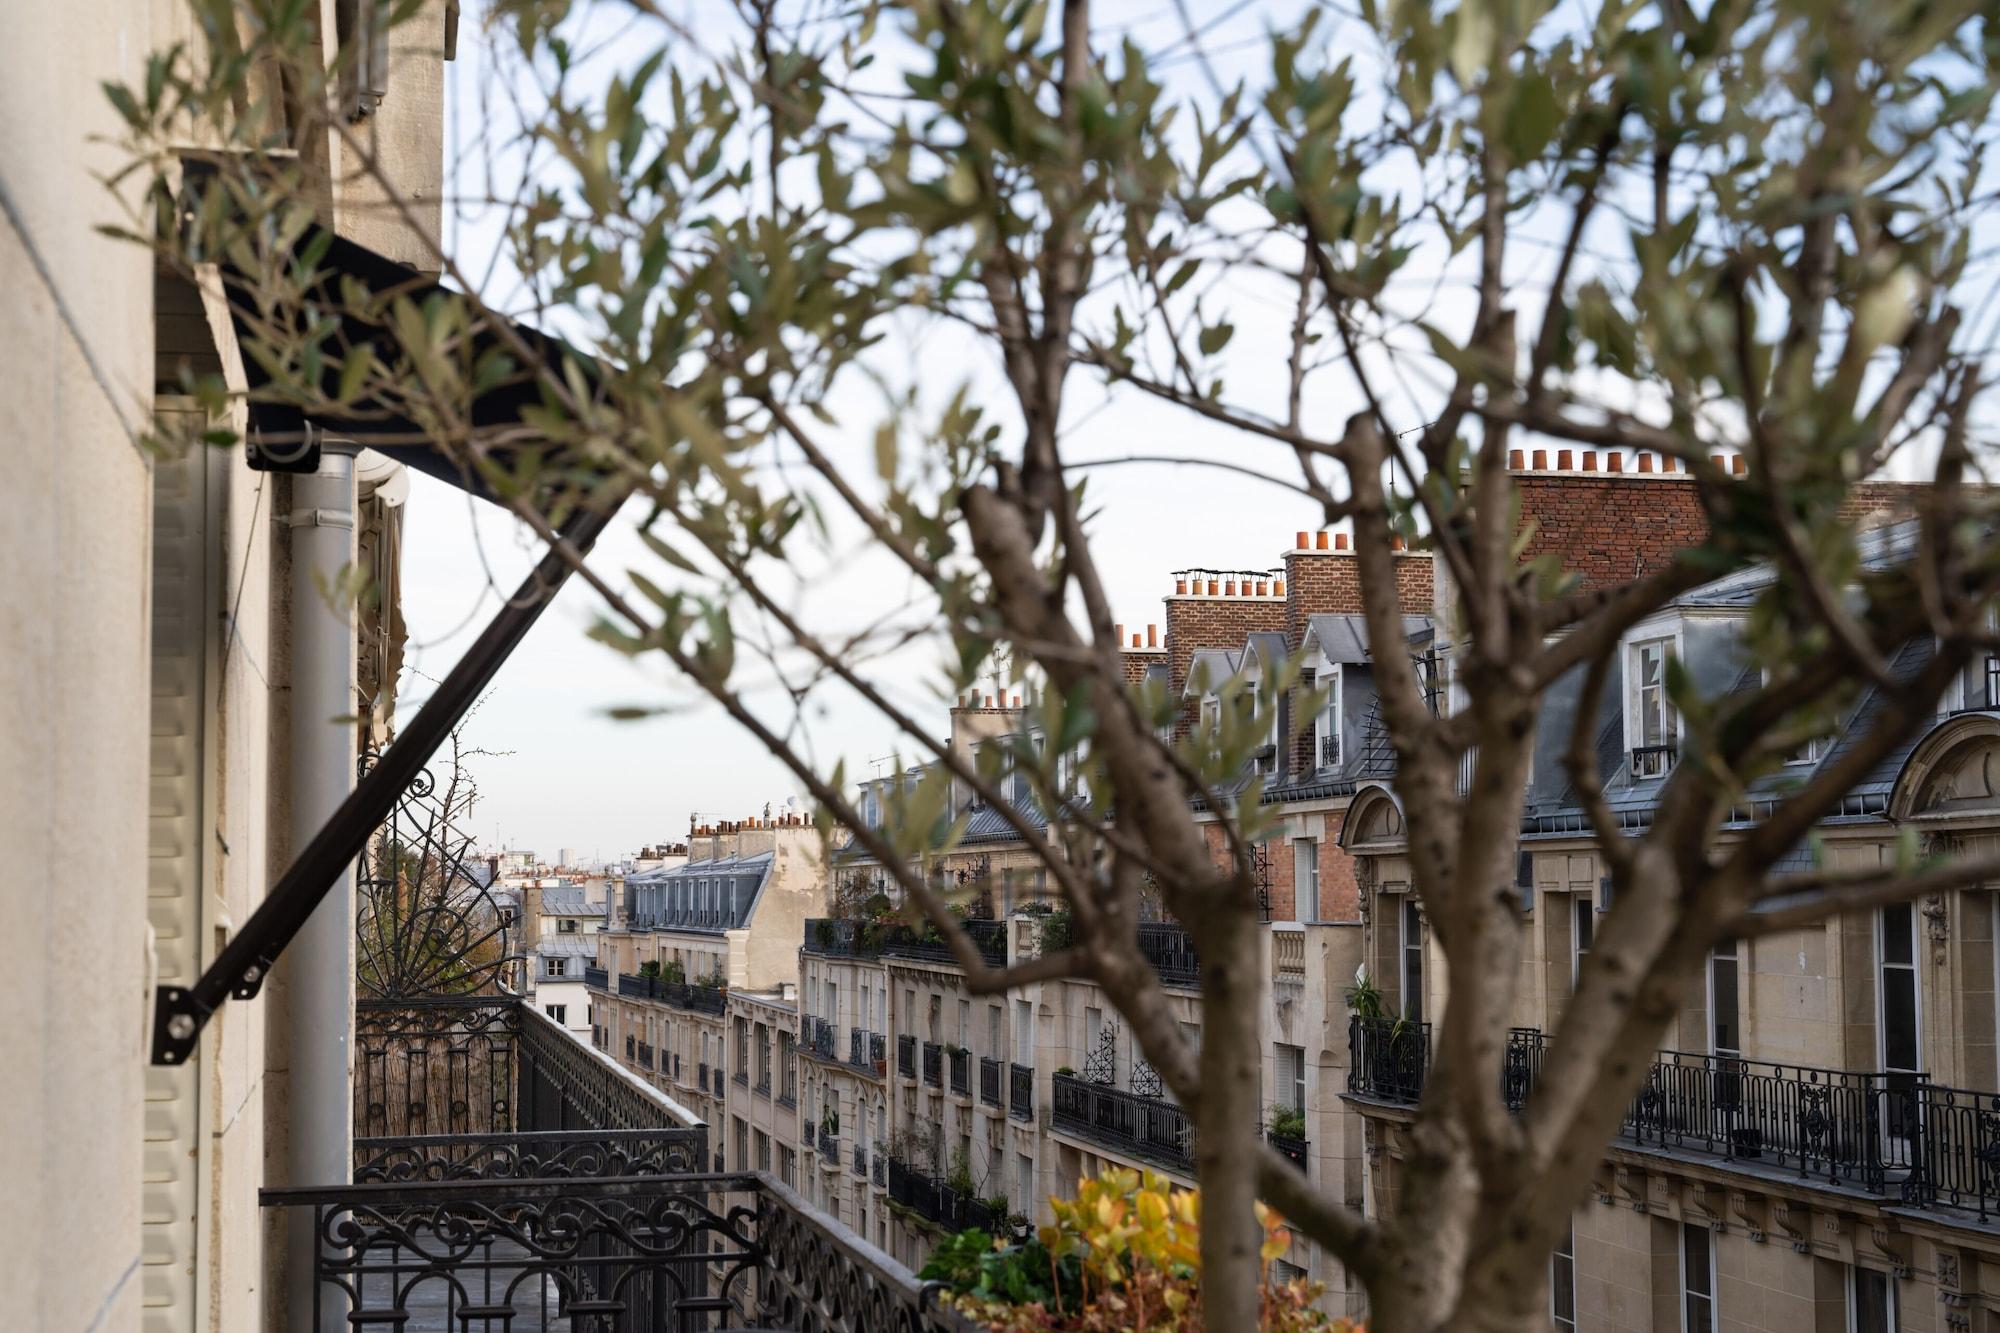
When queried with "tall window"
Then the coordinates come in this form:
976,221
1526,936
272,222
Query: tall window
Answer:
1898,1001
1413,961
1725,1032
1582,931
1326,730
1305,879
1655,727
1871,1301
1024,1185
995,1043
1024,1032
1562,1282
1290,1089
1697,1279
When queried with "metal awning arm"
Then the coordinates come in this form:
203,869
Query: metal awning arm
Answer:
238,972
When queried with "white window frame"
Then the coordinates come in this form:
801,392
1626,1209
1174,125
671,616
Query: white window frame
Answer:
1305,879
1735,959
1326,725
1708,1295
557,966
558,1014
1290,1065
1565,1250
1916,988
1582,933
1854,1272
1669,637
1411,913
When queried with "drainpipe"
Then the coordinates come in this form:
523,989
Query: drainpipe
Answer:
320,964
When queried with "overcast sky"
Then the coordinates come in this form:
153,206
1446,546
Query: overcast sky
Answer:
563,773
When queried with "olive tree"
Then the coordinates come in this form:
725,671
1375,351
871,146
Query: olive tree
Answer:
1757,228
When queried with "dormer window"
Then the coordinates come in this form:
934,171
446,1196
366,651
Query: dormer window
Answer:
1655,724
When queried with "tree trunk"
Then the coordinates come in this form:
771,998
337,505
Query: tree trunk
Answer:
1231,1120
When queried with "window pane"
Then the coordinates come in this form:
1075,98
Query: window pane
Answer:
1899,1019
1872,1312
1727,1039
1896,933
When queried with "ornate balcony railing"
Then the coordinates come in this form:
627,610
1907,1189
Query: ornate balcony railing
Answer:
906,1055
1170,949
645,1056
579,1154
596,977
879,1164
857,1047
1288,955
878,1052
961,1071
935,1201
701,1076
1387,1058
1157,1131
933,1064
989,1080
829,1146
680,994
1893,1135
1298,1150
860,1159
1021,1091
819,1038
833,937
616,1254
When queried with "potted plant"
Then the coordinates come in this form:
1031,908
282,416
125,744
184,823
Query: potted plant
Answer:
1287,1123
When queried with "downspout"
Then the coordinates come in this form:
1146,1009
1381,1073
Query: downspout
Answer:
320,966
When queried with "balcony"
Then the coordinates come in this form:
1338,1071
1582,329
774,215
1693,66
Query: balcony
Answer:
645,1056
680,994
961,1070
933,1064
829,1147
1299,1150
861,1159
906,1055
1170,949
1021,1092
1894,1136
989,1081
511,1176
818,1038
1288,955
937,1202
832,937
1124,1122
701,1076
880,1165
596,977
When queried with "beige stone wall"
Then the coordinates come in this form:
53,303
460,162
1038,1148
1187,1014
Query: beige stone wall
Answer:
76,348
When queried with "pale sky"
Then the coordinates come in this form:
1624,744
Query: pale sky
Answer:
567,775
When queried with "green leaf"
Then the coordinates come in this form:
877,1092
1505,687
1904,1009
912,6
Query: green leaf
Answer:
1532,119
1215,337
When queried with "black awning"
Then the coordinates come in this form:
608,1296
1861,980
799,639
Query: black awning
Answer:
282,439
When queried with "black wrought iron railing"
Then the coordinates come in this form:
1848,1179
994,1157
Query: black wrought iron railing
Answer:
936,1201
906,1055
857,1047
1652,761
879,1166
645,1056
1894,1135
1170,949
596,978
621,1254
576,1154
1021,1091
989,1081
1143,1127
680,994
961,1071
819,1038
933,1064
860,1159
829,1146
1387,1058
878,1051
1299,1150
834,937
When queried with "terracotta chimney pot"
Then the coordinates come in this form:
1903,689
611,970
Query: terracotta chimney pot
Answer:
1563,461
1541,460
1590,460
1516,460
1614,462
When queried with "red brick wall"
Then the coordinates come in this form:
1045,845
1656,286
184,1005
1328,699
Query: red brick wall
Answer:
1319,583
1214,622
1612,528
1339,897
